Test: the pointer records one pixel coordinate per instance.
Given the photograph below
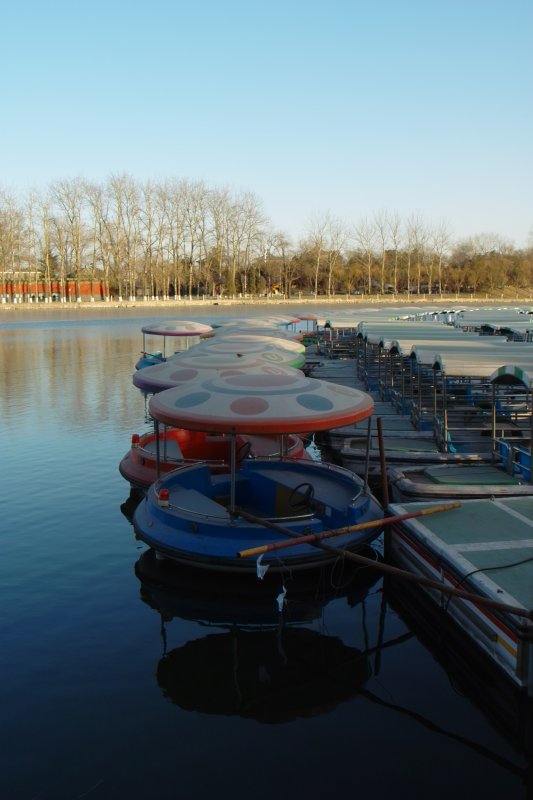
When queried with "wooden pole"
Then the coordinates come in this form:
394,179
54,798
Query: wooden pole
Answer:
311,538
399,573
383,463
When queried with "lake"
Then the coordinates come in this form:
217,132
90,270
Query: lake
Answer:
124,678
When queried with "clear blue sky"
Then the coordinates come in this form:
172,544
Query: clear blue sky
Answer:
339,106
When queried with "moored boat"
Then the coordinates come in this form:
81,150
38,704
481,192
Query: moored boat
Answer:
170,330
148,458
151,455
208,520
455,482
482,549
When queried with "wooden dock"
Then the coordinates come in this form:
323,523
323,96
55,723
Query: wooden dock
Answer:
485,547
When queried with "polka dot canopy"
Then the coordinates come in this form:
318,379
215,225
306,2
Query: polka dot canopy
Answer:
250,402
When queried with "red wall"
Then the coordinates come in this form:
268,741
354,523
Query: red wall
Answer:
24,289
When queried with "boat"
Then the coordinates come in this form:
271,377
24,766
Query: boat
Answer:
210,356
455,400
195,365
250,343
459,481
495,412
209,520
152,455
482,549
170,330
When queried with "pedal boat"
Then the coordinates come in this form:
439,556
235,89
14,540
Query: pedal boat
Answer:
172,330
206,519
151,455
178,448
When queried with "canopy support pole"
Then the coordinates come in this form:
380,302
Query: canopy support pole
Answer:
233,470
157,451
367,461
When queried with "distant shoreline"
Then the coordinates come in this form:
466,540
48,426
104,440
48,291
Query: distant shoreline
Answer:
11,311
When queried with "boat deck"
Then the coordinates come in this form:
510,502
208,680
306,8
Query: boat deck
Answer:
458,475
484,547
405,445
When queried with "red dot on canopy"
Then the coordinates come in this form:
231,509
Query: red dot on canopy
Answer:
248,406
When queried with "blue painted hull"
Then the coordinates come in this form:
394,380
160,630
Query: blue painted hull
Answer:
196,528
149,361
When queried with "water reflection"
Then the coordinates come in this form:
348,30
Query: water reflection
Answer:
507,708
265,662
131,502
70,373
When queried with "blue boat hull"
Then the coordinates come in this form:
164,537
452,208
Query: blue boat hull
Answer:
196,527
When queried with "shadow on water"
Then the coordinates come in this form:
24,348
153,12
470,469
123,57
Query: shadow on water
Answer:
130,503
507,708
264,662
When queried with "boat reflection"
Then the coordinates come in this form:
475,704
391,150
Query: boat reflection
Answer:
265,662
131,502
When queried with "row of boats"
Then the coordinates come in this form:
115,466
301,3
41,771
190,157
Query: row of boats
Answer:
454,402
453,423
424,408
227,479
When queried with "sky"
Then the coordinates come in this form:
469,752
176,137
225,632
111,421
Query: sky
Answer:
344,108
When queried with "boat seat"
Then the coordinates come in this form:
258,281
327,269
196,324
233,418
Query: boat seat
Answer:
197,503
169,449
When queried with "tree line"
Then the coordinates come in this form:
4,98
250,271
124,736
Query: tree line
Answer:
183,239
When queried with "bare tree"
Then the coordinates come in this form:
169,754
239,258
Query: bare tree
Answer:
98,259
30,248
365,236
382,226
219,203
69,197
395,233
253,235
316,242
440,239
337,239
416,240
176,224
194,209
148,239
244,220
47,259
11,238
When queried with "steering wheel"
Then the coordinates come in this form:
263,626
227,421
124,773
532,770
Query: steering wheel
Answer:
301,496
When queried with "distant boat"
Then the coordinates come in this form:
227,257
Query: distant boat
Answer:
168,331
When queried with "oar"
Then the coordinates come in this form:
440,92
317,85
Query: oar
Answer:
316,537
397,572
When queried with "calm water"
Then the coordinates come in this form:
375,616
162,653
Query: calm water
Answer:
121,680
